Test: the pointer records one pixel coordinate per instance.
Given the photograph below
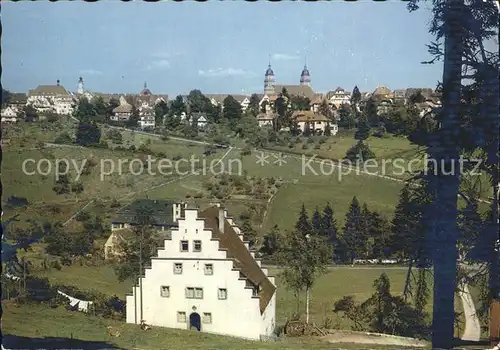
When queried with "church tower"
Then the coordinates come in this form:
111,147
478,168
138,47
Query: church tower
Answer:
269,80
305,77
80,86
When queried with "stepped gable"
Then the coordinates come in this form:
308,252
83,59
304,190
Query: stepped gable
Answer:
237,251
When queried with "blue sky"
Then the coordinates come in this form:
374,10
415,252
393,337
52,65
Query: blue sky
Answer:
217,47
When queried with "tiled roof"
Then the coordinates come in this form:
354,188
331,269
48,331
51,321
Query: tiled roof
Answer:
162,212
123,108
242,258
219,98
381,90
297,90
309,116
49,90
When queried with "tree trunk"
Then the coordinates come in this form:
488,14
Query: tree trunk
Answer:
307,303
445,182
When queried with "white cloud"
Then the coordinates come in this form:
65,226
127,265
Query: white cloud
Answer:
224,72
158,65
284,57
90,72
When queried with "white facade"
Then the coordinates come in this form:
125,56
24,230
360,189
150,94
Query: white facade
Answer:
194,283
51,98
9,115
201,122
339,97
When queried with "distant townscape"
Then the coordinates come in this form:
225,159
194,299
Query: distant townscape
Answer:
316,110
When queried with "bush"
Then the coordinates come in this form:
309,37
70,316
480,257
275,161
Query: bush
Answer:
132,148
63,138
310,140
317,146
304,146
177,157
359,148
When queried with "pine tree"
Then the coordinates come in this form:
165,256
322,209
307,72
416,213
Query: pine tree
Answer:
351,234
364,232
363,131
316,222
303,225
355,96
379,233
404,226
330,231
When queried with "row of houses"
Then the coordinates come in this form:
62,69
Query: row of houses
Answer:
58,100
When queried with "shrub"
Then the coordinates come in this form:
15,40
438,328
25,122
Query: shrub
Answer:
310,140
317,146
63,138
304,146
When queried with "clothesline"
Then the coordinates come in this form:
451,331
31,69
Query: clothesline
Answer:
82,305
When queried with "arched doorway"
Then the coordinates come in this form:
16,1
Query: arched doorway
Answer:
195,321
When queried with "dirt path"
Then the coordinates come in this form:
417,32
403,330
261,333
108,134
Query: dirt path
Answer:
472,329
373,338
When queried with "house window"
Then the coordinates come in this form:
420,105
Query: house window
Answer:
207,317
222,293
184,246
177,269
190,293
181,317
197,246
209,269
255,291
196,230
165,291
198,293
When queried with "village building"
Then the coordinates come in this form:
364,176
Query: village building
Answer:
164,214
338,97
51,98
206,278
9,115
266,119
199,119
147,118
17,101
316,122
123,111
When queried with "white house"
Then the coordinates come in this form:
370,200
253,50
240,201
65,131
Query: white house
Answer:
206,278
316,122
9,115
339,97
199,119
147,118
51,98
123,111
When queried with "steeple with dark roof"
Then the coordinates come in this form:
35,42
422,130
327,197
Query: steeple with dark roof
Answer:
269,79
145,91
305,77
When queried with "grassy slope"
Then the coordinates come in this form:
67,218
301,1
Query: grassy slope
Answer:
26,321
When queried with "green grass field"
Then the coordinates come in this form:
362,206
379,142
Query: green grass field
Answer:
39,321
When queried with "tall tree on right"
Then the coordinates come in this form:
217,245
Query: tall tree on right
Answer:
463,26
303,225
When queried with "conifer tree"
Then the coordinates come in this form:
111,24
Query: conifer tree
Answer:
351,234
363,131
364,232
303,225
316,222
330,231
404,226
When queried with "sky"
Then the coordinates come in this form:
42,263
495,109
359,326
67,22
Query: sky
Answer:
216,47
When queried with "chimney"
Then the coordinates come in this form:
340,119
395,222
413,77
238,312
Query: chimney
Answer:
221,220
58,82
